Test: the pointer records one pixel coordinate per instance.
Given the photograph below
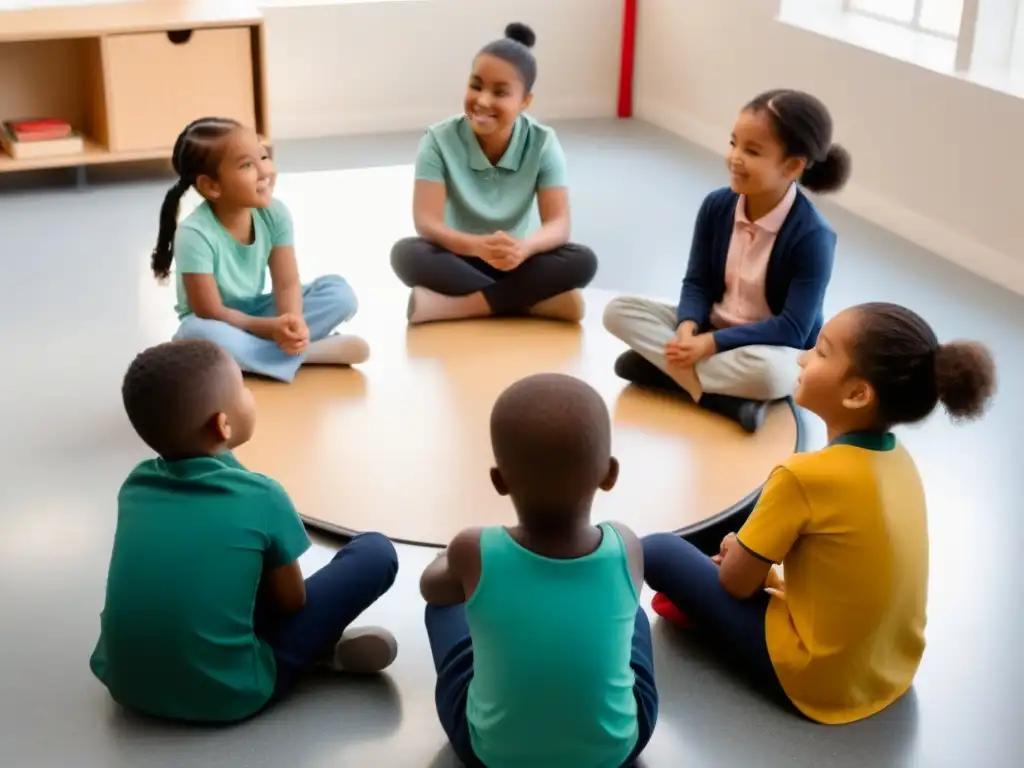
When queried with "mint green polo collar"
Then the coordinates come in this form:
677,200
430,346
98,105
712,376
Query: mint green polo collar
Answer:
871,441
513,154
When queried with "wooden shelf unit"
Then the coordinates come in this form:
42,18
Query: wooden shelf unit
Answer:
129,76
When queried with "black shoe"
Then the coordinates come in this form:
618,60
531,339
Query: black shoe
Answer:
637,369
749,414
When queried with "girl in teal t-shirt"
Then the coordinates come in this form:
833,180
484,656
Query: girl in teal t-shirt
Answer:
543,655
491,205
224,250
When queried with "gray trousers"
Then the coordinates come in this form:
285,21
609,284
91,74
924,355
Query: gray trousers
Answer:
753,373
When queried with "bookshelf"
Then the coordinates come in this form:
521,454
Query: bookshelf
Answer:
129,76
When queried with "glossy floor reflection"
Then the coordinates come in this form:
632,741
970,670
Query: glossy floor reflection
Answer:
76,304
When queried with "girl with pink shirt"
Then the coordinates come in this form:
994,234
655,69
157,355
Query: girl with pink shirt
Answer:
760,263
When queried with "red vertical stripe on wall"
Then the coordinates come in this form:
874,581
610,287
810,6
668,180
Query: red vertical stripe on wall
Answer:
628,57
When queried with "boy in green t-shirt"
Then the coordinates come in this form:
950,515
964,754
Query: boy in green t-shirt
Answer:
207,617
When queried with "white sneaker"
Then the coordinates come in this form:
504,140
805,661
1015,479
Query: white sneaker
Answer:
364,650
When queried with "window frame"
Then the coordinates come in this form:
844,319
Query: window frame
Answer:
914,24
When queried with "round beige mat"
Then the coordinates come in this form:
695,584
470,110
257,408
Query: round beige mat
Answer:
401,446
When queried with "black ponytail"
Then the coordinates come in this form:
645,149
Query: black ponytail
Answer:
803,125
196,153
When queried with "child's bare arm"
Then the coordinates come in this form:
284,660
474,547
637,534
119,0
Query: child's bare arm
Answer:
205,300
285,588
453,576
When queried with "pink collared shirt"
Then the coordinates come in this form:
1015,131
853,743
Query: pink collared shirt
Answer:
747,264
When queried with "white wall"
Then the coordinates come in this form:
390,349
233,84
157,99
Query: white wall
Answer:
940,161
382,66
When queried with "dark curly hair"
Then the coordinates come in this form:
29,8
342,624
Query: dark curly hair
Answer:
171,391
803,125
898,353
197,152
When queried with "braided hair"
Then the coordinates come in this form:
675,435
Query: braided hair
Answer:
196,153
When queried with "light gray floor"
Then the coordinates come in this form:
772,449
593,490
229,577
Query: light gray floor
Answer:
70,321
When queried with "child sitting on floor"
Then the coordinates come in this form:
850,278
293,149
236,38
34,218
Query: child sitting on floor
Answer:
760,263
842,633
224,249
491,204
207,617
542,652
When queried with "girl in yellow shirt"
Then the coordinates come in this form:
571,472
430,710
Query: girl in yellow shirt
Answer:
842,637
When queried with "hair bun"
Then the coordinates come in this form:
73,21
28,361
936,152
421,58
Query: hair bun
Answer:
830,174
965,378
521,34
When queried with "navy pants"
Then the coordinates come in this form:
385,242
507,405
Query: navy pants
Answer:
361,571
452,648
418,262
687,577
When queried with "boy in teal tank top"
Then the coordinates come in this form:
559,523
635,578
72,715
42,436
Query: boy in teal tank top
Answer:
543,655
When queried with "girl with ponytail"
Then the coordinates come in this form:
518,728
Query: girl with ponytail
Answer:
839,632
760,263
223,250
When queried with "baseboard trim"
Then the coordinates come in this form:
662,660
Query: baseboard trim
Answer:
953,245
303,122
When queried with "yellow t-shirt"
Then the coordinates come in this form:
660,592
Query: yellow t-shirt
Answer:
848,524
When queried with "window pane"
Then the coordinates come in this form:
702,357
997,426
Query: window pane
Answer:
897,10
942,16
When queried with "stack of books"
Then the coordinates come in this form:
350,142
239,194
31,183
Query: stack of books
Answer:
40,137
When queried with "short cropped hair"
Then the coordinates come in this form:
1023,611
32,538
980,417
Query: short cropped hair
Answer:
171,391
551,436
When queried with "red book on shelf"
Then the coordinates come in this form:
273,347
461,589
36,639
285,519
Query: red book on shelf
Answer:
39,129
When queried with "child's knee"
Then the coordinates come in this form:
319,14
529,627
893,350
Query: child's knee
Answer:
378,551
771,377
193,328
618,316
335,291
584,264
659,547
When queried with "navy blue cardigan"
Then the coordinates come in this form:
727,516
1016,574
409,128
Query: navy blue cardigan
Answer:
799,270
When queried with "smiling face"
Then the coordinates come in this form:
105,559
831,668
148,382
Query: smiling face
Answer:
757,161
245,175
495,96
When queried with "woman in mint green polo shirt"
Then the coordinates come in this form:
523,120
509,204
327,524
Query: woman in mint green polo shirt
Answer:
491,204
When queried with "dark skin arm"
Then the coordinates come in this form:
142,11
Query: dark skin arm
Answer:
556,224
428,203
453,576
740,572
284,588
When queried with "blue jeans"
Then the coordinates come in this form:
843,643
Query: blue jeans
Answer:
361,571
327,302
452,648
687,577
